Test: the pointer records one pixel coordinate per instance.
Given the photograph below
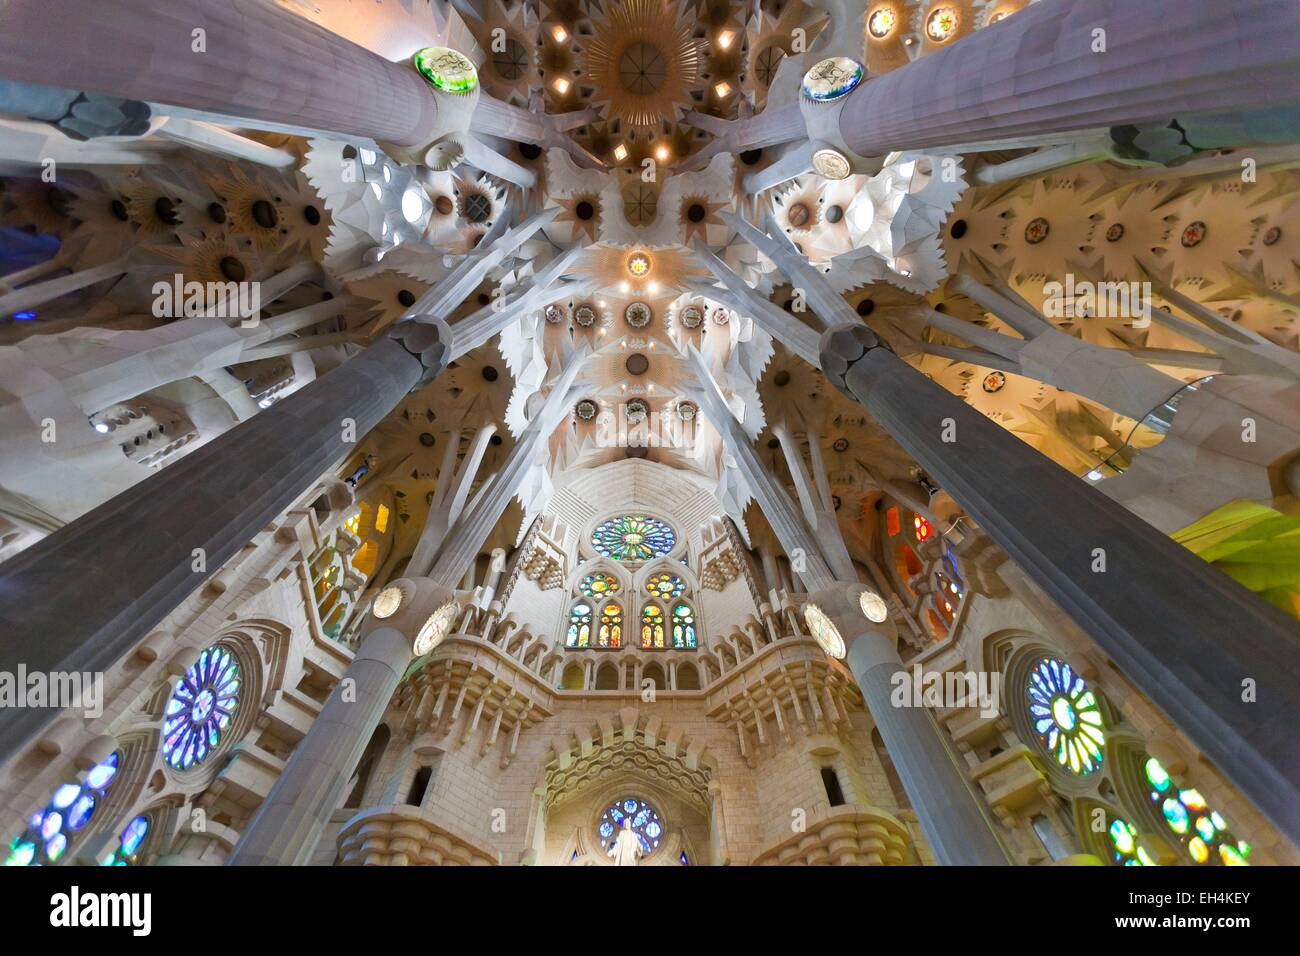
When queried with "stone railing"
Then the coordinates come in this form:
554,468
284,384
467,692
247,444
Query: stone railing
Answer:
843,836
401,835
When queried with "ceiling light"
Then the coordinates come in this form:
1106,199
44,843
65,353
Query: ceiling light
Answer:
561,85
620,152
662,154
723,89
560,34
725,38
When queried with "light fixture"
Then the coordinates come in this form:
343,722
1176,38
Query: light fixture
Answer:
725,38
662,153
620,152
387,603
874,607
638,265
652,287
561,85
560,34
723,89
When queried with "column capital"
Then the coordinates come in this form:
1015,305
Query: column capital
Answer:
841,346
429,339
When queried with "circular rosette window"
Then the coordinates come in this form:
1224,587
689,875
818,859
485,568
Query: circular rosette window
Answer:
1066,716
643,819
201,707
633,538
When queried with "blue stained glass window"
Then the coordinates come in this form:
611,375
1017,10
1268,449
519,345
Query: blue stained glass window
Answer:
645,823
1065,715
579,634
129,842
202,705
50,831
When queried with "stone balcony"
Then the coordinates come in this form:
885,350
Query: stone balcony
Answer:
402,835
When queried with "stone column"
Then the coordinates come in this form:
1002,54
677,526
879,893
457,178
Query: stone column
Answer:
287,826
1186,634
1040,72
260,62
952,816
83,597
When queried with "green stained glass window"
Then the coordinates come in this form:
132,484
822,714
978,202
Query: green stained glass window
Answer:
446,70
1202,831
579,634
633,538
684,626
1065,715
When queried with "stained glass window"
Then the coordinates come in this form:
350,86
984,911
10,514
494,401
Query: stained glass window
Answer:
50,830
1065,715
611,627
1124,844
652,626
645,823
1203,832
595,585
923,528
683,626
579,626
129,842
633,538
202,705
665,586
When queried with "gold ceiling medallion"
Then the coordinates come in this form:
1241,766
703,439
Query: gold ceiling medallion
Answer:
643,61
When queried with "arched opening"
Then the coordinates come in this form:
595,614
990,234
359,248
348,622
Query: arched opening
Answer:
419,785
834,792
572,679
607,677
654,672
688,678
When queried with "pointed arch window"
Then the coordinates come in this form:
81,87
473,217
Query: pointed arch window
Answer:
579,634
611,626
684,626
652,626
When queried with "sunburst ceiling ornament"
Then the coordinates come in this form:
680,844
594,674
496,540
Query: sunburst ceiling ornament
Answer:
643,61
638,265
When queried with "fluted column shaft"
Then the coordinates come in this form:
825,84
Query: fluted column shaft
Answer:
1187,635
1038,73
952,817
83,597
287,826
260,62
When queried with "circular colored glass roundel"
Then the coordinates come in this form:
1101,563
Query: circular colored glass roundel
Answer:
665,586
201,707
881,23
446,70
596,585
387,603
824,631
1065,715
633,538
832,78
645,824
435,629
